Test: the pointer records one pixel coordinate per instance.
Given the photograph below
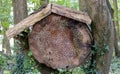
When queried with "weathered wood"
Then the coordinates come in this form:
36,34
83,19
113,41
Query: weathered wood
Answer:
70,13
103,34
29,21
50,8
60,42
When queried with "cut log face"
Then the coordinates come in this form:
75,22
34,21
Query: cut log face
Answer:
60,42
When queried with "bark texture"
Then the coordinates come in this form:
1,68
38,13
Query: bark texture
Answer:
116,27
103,33
20,12
6,43
82,6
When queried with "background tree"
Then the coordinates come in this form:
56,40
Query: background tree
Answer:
116,25
102,30
5,16
20,12
5,52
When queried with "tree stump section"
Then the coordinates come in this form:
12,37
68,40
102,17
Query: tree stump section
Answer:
60,42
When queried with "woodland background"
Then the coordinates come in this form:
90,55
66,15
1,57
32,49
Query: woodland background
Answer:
15,61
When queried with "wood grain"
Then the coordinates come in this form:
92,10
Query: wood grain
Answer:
29,21
39,15
70,13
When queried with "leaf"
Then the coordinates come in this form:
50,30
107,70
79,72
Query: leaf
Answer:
30,53
5,24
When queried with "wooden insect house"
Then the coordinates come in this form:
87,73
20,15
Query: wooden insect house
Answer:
60,37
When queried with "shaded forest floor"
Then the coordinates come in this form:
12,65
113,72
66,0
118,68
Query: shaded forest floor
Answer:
115,66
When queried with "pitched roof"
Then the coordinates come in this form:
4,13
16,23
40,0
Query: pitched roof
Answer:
47,10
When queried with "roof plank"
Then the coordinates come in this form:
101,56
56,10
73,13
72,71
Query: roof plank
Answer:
50,8
73,14
29,21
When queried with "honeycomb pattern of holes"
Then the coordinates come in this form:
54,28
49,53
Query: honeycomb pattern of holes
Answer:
37,28
61,30
68,54
43,25
33,44
77,43
67,66
61,40
53,31
68,32
50,53
51,59
36,38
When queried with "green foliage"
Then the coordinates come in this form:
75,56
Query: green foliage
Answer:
2,61
71,4
19,66
29,53
90,66
115,66
28,66
36,3
77,70
5,17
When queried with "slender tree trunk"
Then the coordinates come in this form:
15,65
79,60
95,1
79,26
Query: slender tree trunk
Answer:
116,35
82,6
6,44
116,15
103,33
5,41
20,12
116,25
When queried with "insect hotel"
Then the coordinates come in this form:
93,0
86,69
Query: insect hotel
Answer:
59,38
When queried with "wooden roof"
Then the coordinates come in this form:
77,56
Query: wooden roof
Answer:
47,10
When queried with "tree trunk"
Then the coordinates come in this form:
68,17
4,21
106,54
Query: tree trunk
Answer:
116,34
103,33
20,12
116,25
5,41
4,25
6,44
82,6
116,15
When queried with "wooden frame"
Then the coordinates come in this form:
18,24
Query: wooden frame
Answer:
50,8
